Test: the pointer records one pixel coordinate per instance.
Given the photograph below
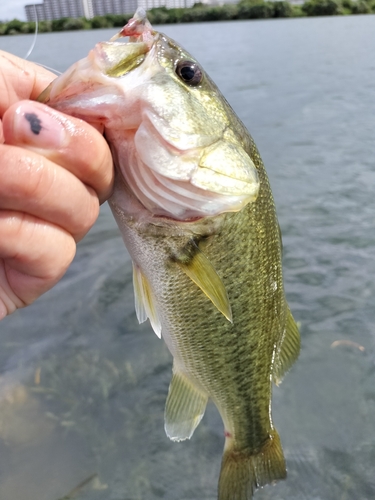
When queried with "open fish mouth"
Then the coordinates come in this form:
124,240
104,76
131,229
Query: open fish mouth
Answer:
141,38
112,59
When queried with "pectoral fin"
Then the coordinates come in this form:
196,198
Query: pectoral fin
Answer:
144,301
202,272
288,350
184,408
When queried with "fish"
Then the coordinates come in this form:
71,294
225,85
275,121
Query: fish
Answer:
195,209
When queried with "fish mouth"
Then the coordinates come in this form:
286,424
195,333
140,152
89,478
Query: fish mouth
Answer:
118,59
112,59
138,28
106,59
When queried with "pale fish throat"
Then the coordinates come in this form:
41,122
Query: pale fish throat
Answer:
189,184
175,199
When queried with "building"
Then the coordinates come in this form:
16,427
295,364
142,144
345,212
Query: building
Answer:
102,7
56,9
88,11
34,12
170,4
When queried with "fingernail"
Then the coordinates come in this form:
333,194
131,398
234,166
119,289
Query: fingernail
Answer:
39,127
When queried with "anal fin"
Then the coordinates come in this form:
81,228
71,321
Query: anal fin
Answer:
184,408
144,301
288,350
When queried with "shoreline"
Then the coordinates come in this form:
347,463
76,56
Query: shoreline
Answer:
244,10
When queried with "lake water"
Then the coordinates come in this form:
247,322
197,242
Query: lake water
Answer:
83,386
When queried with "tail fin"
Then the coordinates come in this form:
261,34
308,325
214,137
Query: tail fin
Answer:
241,473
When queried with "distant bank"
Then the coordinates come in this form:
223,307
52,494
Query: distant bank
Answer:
245,9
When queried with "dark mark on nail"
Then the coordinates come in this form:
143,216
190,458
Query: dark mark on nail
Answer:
35,123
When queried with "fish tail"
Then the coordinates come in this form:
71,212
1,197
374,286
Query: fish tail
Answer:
243,472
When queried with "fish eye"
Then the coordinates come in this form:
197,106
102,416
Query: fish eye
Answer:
189,72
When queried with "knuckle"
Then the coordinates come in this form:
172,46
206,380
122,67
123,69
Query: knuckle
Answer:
55,261
87,217
66,258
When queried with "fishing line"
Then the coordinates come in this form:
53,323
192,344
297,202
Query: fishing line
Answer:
35,34
34,42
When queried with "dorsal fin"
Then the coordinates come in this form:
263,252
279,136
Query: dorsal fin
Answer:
144,300
288,350
200,270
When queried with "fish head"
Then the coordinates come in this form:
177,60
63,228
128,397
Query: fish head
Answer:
176,143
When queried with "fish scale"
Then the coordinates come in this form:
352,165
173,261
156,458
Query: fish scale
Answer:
195,209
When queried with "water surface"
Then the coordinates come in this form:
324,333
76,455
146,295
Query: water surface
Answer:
83,386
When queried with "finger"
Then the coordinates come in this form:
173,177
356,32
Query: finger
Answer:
33,184
69,142
35,256
20,79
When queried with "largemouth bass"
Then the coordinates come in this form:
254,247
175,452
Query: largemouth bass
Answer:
195,209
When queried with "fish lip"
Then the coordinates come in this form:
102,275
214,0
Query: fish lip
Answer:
137,27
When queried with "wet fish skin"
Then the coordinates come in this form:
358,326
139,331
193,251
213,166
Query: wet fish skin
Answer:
210,280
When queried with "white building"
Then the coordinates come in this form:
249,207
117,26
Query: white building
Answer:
170,4
101,7
87,9
34,12
55,9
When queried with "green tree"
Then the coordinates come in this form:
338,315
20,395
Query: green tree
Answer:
229,11
58,24
282,9
161,15
119,20
347,6
44,26
13,27
361,7
74,23
100,22
257,9
322,8
28,28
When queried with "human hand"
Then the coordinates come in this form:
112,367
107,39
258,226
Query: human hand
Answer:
55,170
